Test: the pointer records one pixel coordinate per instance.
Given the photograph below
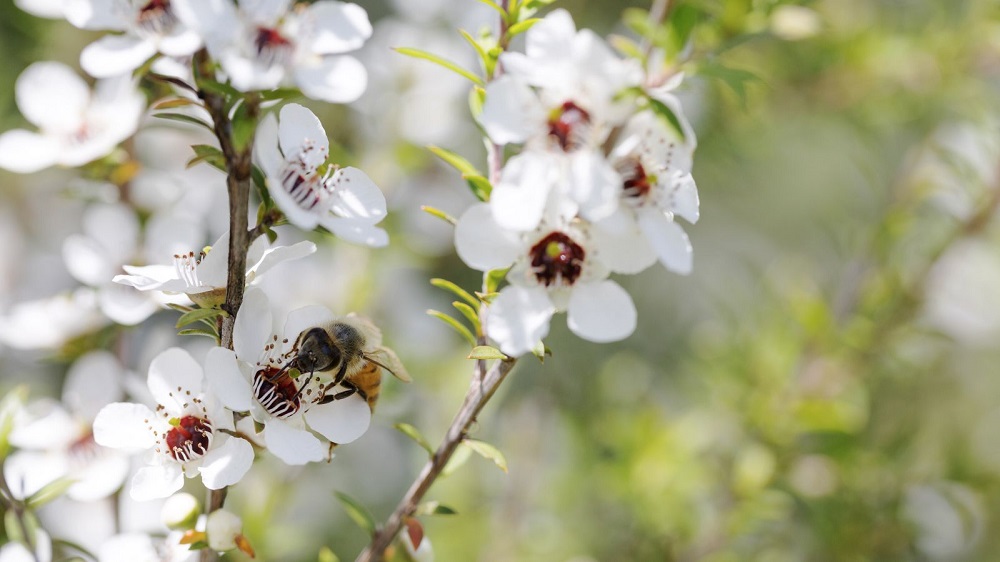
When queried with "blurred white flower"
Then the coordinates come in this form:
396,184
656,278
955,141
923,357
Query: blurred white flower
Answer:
55,440
50,322
263,44
75,125
255,378
654,162
293,153
203,276
185,436
18,552
43,8
148,26
554,268
140,547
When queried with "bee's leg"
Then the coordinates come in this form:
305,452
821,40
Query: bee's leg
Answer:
351,390
304,385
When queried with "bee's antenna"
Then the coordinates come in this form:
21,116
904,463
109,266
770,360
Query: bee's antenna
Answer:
303,387
282,370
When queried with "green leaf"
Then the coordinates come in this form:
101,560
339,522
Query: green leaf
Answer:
280,94
480,186
51,491
434,508
735,78
417,53
179,307
209,155
486,352
470,313
477,98
413,433
434,211
199,314
172,103
487,451
492,279
541,351
199,331
184,119
626,46
480,50
9,406
456,325
522,26
458,458
455,161
357,512
495,6
664,112
219,88
327,555
244,127
456,290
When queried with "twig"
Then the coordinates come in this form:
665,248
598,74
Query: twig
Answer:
239,165
480,391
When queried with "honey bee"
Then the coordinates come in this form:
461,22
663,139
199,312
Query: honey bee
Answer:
351,350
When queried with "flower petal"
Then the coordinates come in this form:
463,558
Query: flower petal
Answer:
181,43
601,312
357,231
482,243
298,126
212,270
292,445
95,14
26,152
125,306
334,79
94,381
339,27
146,278
519,318
519,200
100,478
594,184
684,198
273,256
512,112
157,481
227,380
356,196
122,425
27,472
620,245
42,8
265,146
304,318
47,425
113,55
253,325
340,421
172,375
668,240
52,96
226,464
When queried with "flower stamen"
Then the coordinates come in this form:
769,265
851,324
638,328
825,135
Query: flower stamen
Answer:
557,259
189,438
156,17
568,125
273,48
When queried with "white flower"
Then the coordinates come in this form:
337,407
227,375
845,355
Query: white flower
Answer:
263,44
202,276
43,8
50,322
293,153
184,436
555,268
149,26
56,440
75,125
18,552
255,378
140,547
654,162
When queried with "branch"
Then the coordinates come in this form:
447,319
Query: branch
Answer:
483,386
239,165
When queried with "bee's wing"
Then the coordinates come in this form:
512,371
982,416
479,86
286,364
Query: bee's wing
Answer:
390,361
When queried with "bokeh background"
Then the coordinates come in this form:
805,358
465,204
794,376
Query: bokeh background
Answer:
824,386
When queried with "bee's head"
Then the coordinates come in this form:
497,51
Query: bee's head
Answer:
317,352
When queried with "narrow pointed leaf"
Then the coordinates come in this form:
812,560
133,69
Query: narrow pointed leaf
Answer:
357,512
417,53
486,352
455,290
455,325
413,433
435,212
198,314
470,314
434,508
455,161
488,452
184,119
459,458
522,26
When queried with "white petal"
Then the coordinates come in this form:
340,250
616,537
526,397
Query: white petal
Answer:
512,112
264,11
339,27
273,256
128,547
304,318
265,146
519,200
227,380
357,231
95,14
42,8
113,55
335,79
482,243
668,240
519,318
86,260
212,270
601,312
684,198
253,325
247,74
52,96
551,38
47,426
122,425
94,381
296,125
181,43
226,464
357,196
293,445
146,278
302,218
172,374
620,245
340,421
594,184
115,227
26,152
27,472
157,481
99,478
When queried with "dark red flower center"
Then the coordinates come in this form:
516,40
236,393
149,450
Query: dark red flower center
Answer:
189,438
568,124
276,391
637,183
156,17
557,258
273,48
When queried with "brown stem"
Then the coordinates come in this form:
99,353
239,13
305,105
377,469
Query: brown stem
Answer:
483,386
239,165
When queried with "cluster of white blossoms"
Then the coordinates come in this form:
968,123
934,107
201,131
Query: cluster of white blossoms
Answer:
602,172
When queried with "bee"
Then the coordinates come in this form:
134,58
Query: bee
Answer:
349,349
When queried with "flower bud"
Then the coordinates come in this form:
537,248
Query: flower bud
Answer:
225,532
180,512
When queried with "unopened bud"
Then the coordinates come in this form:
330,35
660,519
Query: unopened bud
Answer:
180,512
225,532
418,546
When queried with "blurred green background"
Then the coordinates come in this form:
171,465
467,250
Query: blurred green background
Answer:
823,386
